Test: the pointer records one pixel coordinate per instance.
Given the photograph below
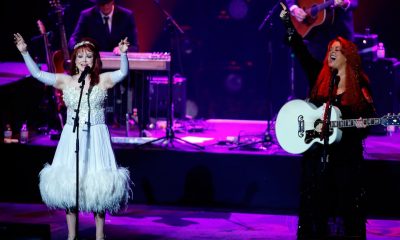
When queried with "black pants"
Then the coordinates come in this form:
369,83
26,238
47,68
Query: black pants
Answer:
332,198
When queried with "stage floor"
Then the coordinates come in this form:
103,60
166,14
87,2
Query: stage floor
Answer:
142,222
226,136
260,178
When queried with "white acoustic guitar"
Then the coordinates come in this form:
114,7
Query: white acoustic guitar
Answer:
297,121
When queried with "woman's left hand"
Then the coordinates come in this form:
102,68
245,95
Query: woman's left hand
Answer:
360,123
123,45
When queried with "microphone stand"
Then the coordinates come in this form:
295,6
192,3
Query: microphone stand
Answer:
291,76
326,123
266,139
291,54
270,12
76,128
170,135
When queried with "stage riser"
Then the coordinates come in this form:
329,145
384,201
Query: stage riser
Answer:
21,231
26,100
245,182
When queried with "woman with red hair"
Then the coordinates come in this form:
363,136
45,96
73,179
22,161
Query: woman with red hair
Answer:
332,197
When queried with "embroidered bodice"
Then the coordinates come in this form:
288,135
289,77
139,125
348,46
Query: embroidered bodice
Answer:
91,111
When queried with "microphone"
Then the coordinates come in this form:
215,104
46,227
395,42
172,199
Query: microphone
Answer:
335,78
84,73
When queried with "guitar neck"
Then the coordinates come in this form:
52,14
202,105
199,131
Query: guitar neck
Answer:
49,62
352,122
63,38
314,9
66,64
47,47
325,5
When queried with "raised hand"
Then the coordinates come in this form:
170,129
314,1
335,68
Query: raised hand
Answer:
284,15
20,43
123,45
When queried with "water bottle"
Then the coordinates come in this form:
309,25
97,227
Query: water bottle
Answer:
390,129
135,116
127,124
24,134
380,52
7,134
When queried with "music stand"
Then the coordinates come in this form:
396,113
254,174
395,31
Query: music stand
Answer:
172,27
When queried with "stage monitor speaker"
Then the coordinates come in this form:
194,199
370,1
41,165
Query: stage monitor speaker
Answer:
24,231
158,96
116,104
24,100
123,98
385,84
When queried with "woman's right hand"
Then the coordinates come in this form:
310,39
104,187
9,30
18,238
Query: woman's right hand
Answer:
299,14
20,43
285,17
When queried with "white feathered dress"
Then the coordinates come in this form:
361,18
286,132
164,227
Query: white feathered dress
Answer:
103,185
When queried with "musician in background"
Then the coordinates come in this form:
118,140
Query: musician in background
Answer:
106,23
318,38
332,197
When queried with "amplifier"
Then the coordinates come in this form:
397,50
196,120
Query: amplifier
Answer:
158,96
384,74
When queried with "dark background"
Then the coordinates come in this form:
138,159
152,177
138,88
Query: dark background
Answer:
232,69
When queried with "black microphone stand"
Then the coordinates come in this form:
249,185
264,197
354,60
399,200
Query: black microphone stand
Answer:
172,27
291,54
326,124
266,139
76,128
268,16
291,76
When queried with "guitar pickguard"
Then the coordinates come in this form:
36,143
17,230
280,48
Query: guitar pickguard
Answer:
313,134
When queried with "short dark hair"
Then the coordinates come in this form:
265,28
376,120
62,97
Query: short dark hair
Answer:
101,2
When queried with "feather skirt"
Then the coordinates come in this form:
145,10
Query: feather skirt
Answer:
103,185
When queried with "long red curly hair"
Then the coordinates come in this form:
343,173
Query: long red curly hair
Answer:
357,94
